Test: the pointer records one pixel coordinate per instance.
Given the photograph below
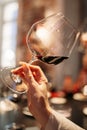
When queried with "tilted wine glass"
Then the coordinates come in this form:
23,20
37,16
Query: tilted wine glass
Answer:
50,40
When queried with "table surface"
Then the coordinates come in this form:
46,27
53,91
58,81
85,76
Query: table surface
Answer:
30,123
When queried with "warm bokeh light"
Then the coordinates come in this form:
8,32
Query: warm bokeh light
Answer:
84,36
85,90
84,39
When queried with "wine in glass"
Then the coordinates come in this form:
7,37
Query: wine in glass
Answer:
50,40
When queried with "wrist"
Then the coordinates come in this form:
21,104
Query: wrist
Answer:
46,115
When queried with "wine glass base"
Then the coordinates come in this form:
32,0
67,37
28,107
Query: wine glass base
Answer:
13,82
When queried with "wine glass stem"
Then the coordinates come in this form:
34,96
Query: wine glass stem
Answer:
34,59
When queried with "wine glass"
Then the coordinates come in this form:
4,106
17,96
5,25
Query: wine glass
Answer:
50,40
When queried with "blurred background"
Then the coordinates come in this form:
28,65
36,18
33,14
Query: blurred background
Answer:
16,18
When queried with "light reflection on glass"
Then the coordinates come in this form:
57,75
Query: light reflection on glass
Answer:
44,35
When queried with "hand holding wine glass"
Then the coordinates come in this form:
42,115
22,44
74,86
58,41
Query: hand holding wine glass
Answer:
36,82
50,40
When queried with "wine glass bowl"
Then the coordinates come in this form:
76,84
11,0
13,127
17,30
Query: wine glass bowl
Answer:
50,40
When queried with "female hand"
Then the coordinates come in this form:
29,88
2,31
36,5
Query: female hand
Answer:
36,82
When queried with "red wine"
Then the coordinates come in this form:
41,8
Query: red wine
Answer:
52,59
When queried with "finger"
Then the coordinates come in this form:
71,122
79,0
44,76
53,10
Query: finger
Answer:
27,72
17,70
23,63
24,72
38,73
